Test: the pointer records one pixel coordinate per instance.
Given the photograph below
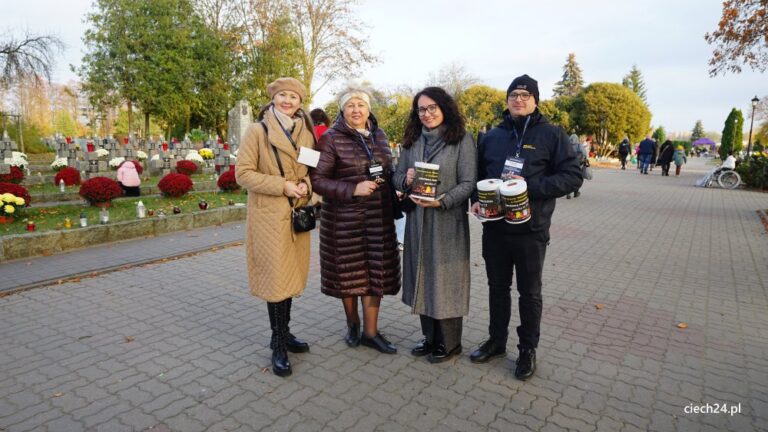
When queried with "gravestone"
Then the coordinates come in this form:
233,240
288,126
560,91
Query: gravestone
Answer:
6,149
239,118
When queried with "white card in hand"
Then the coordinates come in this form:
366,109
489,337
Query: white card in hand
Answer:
308,157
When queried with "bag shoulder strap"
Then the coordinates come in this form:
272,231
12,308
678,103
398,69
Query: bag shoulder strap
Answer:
277,158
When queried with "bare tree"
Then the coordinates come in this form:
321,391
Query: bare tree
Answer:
329,32
29,57
453,78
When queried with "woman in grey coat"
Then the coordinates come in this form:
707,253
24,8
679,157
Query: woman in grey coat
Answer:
436,261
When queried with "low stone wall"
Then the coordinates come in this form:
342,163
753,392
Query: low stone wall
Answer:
50,242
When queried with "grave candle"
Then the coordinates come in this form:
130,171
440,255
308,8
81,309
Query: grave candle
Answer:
83,220
104,216
30,226
90,146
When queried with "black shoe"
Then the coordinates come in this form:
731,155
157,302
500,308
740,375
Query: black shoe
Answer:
487,351
353,335
422,348
440,355
526,364
281,366
576,194
379,343
296,345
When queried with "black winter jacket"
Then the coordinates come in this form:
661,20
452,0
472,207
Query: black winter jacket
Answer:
551,169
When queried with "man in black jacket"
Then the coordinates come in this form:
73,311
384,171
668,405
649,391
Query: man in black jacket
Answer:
524,146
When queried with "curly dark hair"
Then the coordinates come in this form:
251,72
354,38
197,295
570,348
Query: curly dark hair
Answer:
452,117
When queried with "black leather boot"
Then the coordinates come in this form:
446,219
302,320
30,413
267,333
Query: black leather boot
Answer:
281,366
526,364
293,344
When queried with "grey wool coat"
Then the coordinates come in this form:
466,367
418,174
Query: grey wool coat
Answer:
436,258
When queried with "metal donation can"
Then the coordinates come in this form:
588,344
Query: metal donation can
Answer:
517,207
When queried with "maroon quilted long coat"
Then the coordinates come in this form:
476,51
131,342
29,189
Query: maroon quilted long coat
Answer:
358,245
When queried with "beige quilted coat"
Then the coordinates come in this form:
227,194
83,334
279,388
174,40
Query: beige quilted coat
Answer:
278,259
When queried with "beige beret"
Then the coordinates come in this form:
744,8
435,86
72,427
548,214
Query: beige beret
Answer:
291,84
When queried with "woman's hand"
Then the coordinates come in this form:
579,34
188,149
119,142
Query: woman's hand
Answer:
291,190
303,189
409,175
425,203
365,188
475,209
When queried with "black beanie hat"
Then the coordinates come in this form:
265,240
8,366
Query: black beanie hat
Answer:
524,82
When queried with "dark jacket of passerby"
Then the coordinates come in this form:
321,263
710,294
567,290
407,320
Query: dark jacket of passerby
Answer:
358,245
624,147
646,147
551,168
665,153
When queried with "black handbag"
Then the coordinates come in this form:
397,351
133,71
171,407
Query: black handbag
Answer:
303,218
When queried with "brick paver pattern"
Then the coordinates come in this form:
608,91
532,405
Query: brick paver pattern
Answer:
180,345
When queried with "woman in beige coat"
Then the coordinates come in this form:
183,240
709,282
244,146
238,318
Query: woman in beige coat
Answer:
278,258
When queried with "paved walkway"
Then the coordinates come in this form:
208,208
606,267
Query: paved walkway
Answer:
180,345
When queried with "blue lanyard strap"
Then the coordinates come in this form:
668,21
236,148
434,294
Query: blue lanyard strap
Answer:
365,146
520,137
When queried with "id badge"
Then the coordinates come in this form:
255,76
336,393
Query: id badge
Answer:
512,166
376,173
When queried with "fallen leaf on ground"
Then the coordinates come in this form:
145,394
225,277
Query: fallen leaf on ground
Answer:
599,306
682,325
58,394
264,370
75,280
129,339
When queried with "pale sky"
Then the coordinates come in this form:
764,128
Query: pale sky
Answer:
496,40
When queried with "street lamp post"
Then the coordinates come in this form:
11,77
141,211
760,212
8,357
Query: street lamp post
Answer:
755,100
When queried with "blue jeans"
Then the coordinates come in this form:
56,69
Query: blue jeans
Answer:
645,162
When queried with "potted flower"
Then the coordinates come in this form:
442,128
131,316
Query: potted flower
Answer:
195,157
100,191
175,185
186,167
70,176
114,163
17,190
227,181
9,205
58,164
102,154
141,156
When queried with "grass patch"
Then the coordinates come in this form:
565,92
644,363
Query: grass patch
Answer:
52,218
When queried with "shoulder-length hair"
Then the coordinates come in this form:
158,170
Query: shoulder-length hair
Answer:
452,118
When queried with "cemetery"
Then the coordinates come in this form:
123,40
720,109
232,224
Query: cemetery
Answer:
71,197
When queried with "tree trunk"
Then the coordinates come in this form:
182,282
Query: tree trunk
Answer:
146,125
130,117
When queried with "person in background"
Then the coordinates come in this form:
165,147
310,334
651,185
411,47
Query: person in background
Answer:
320,121
128,178
277,257
666,152
358,245
645,151
436,271
582,155
624,149
680,159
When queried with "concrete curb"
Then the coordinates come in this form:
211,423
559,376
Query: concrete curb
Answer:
49,242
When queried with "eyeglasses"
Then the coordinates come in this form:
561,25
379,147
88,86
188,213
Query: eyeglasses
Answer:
429,108
523,96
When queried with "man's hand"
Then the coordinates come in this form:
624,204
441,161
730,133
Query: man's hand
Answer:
475,209
365,188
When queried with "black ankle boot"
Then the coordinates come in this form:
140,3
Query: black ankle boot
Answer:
281,366
526,364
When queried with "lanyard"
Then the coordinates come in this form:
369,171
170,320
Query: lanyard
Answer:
520,137
365,146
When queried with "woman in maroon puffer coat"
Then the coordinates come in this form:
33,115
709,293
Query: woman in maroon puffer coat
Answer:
358,245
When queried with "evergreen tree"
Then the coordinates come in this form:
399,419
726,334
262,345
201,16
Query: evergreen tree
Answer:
659,134
698,131
733,135
634,81
572,81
